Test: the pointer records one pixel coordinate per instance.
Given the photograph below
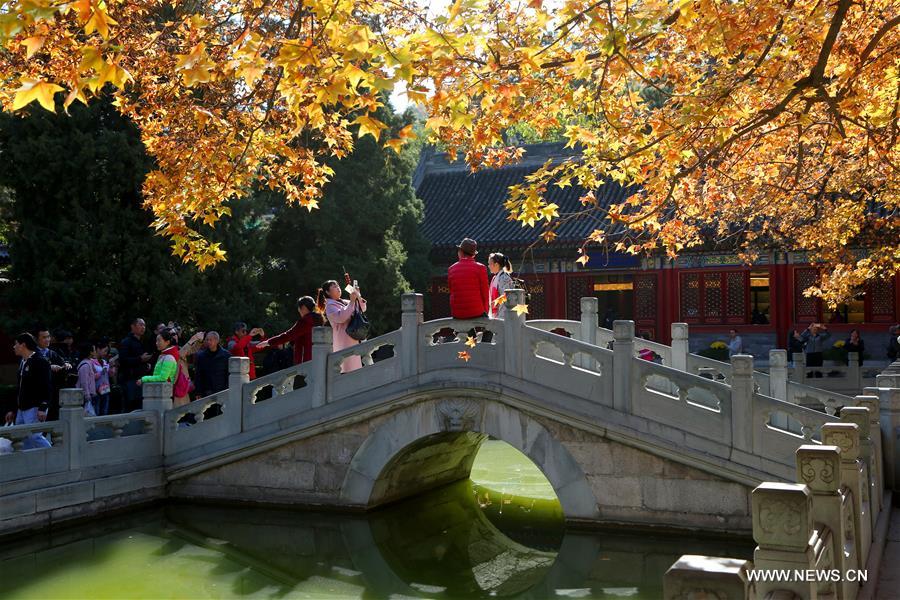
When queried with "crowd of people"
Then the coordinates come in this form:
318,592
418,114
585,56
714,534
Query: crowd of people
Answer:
111,377
198,367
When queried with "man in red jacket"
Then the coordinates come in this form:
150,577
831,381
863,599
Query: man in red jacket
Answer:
468,280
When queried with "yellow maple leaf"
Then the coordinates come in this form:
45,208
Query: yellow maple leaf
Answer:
499,299
464,356
31,90
99,21
396,145
520,309
33,44
470,341
407,133
582,260
369,126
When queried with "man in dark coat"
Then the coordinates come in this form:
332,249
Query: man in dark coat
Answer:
211,367
34,388
133,365
59,369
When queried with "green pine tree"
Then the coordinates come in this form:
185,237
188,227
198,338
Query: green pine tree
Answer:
368,223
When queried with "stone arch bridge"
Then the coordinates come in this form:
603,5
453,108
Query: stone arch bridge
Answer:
621,439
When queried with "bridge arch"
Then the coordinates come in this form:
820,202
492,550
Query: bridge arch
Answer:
434,442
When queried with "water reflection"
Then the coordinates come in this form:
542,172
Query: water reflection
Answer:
439,545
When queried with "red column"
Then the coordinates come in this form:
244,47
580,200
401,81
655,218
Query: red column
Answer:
555,295
781,302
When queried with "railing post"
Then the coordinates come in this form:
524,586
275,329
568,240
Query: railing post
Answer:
623,356
778,374
694,576
322,347
158,398
846,437
742,390
238,375
871,403
782,528
589,324
799,367
860,416
888,391
71,410
411,307
854,373
680,346
819,467
513,325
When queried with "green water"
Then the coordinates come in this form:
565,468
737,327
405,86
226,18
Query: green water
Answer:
497,535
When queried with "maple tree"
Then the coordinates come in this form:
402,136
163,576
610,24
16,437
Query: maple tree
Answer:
759,123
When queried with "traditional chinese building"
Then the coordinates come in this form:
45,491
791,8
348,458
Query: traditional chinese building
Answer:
712,291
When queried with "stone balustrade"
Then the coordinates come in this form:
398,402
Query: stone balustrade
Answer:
735,419
826,522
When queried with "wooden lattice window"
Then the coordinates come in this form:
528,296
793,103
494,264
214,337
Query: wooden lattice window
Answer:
537,303
690,297
736,285
712,291
805,309
440,300
576,289
714,297
881,299
645,297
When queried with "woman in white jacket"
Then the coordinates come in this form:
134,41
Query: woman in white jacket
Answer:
502,280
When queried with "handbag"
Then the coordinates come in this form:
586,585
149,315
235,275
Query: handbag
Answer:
358,326
183,385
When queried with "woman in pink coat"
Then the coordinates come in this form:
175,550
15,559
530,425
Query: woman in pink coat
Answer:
339,312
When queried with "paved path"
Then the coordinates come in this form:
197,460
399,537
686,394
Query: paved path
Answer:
889,581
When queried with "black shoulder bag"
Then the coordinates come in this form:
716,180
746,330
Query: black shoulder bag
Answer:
358,326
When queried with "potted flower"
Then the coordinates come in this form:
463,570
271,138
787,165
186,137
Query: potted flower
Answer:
718,350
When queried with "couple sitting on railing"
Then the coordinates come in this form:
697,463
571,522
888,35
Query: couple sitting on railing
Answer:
328,305
471,296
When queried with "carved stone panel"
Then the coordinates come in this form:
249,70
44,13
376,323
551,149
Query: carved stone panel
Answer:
459,414
782,515
843,435
819,467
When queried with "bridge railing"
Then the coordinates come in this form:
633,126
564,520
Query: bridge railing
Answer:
826,521
343,383
77,443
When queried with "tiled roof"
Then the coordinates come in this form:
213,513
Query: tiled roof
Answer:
461,204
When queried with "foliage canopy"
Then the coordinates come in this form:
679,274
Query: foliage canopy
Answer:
757,122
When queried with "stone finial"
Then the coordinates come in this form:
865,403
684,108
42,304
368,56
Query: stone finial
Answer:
819,467
778,358
742,364
679,331
858,415
514,298
71,398
623,331
322,336
874,407
843,435
782,516
590,306
888,381
157,389
239,365
695,576
411,303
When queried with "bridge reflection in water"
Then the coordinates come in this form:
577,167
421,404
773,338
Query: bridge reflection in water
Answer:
465,540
